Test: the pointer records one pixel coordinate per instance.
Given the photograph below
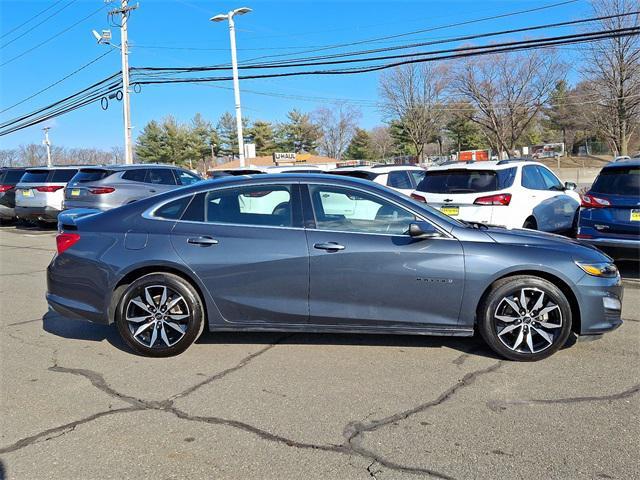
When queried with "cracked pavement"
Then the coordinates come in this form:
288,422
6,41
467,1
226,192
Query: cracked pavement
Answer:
75,403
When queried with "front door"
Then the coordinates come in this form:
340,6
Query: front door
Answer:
247,246
366,271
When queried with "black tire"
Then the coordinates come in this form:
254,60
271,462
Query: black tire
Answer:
161,338
530,223
530,345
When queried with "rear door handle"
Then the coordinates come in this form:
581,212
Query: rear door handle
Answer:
202,241
330,246
152,191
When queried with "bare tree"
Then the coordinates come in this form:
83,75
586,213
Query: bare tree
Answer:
507,91
612,75
32,155
412,96
337,126
9,157
381,141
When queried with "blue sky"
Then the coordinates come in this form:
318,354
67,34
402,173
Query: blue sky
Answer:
272,28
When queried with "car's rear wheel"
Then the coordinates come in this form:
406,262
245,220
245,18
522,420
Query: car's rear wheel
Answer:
530,223
525,318
160,315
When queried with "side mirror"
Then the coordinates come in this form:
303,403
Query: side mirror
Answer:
422,230
570,186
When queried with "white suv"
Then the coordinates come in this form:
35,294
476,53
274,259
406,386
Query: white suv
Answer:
510,193
403,178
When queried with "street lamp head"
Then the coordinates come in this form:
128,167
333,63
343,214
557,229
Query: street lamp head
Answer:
241,11
96,35
219,18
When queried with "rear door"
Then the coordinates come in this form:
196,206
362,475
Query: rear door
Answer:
365,271
401,181
160,180
248,247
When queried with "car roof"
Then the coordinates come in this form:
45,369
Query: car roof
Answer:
378,169
631,162
55,167
485,165
120,166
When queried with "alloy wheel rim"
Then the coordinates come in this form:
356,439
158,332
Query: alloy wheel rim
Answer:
528,321
157,317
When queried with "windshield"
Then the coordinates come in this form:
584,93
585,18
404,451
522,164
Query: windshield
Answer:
356,174
618,181
91,175
466,181
35,176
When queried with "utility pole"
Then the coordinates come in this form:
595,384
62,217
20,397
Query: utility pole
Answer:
124,12
234,65
47,143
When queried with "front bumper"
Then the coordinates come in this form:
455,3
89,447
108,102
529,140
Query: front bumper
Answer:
600,302
45,214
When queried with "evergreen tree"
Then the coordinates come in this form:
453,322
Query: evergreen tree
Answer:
150,143
298,133
360,146
262,135
228,134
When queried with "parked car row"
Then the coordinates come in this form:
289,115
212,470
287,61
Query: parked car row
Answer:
41,193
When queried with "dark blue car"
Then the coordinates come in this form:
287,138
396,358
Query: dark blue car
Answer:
610,211
323,253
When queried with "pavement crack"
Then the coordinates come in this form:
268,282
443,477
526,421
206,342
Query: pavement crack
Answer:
56,432
499,405
241,364
23,322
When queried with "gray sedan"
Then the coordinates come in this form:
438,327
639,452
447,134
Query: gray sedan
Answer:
321,253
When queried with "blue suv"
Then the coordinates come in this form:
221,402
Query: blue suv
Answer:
610,211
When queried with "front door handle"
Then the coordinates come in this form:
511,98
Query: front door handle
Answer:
330,246
202,241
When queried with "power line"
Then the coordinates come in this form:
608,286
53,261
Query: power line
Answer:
57,82
6,62
31,18
38,24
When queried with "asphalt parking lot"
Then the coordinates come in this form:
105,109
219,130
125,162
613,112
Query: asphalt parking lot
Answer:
76,403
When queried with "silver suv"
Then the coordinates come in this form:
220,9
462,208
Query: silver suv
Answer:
40,192
103,188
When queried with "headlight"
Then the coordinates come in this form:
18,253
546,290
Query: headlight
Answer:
604,269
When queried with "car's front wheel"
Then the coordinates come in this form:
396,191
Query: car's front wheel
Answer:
160,315
525,318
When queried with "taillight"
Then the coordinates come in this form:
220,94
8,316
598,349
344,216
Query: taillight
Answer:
501,199
589,201
49,188
66,240
583,235
419,198
5,188
102,190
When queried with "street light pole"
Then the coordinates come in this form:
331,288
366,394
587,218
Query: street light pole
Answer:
47,143
234,65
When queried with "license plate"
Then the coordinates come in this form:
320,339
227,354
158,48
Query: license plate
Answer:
451,211
635,215
75,192
27,193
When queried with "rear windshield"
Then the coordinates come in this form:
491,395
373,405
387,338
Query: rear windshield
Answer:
11,177
35,176
357,174
466,181
91,175
63,176
618,181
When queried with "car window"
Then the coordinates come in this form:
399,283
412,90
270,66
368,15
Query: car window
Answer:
356,174
349,210
399,180
466,180
185,178
11,177
91,175
63,175
173,210
417,176
532,179
135,175
260,205
35,176
550,180
618,181
160,176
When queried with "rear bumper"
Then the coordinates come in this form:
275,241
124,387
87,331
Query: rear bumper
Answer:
617,248
7,213
600,301
47,214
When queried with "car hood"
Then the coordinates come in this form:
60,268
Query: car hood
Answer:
547,240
